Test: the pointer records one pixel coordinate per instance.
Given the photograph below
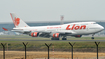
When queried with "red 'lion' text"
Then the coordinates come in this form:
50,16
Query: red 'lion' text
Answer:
74,27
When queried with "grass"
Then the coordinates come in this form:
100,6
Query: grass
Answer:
54,55
26,37
57,45
13,44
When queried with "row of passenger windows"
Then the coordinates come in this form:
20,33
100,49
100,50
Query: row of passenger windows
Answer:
86,23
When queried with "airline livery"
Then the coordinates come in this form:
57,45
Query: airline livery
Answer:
56,31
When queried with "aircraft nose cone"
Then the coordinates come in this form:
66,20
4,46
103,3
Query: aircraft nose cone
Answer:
102,28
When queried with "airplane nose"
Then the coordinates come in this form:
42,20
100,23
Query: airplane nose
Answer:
101,27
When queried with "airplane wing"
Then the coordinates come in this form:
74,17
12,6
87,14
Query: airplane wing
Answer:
4,29
50,33
44,33
57,31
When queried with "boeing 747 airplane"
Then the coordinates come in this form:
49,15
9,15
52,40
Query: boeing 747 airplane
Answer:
54,32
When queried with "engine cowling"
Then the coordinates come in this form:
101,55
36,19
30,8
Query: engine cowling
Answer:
34,34
56,35
78,36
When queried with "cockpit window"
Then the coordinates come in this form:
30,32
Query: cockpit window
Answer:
94,23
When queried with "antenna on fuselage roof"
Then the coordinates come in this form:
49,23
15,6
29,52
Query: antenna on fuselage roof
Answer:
62,18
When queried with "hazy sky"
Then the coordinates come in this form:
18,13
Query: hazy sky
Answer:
51,10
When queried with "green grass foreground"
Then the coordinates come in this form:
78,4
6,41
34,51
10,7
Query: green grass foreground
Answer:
26,37
40,45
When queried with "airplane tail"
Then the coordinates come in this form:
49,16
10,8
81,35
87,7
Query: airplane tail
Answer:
17,21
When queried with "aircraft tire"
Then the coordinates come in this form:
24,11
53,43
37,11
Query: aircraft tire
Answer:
64,38
92,38
54,38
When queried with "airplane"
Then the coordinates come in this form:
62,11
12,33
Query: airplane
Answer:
76,29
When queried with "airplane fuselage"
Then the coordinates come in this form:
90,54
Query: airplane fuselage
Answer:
81,28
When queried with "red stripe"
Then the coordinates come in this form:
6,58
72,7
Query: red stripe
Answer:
12,20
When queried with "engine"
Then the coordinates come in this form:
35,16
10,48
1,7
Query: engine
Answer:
78,36
56,35
34,34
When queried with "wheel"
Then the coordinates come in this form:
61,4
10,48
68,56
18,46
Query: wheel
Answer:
92,38
64,39
54,38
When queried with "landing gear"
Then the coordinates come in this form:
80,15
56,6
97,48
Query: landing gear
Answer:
64,38
92,36
54,38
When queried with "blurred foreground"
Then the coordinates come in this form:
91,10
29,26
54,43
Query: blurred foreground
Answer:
43,55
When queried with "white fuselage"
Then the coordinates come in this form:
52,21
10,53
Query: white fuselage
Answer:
79,28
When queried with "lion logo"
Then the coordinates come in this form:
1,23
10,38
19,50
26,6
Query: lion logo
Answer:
16,21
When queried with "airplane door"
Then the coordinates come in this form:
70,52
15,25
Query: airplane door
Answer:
87,28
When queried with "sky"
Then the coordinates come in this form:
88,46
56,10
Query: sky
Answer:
51,10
